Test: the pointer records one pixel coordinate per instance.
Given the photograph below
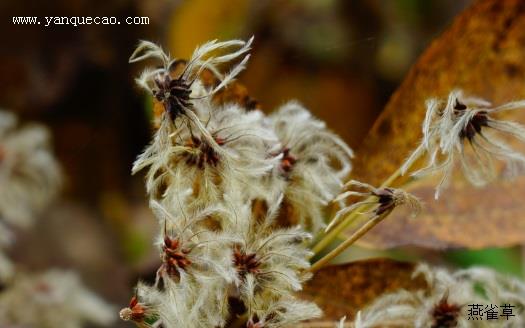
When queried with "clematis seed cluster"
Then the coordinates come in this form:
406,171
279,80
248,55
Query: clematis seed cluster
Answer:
237,194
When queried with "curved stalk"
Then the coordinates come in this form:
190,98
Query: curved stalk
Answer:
348,242
350,218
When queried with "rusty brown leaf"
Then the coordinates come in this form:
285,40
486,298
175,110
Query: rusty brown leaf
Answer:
343,290
483,53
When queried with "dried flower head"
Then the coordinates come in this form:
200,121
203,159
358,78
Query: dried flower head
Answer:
463,129
49,300
177,93
269,261
444,303
184,159
143,308
380,201
444,313
313,162
190,251
134,312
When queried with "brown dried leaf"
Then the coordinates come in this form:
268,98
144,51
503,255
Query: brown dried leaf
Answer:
345,289
483,53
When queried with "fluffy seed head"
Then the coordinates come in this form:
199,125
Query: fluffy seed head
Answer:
378,201
443,303
313,161
463,129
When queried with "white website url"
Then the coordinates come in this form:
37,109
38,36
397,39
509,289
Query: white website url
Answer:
78,20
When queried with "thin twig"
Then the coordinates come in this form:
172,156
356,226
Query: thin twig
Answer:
348,242
332,234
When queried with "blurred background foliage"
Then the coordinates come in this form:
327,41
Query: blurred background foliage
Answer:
342,59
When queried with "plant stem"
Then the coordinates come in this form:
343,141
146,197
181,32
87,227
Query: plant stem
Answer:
348,242
332,234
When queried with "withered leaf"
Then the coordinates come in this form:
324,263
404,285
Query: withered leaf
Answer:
483,53
343,290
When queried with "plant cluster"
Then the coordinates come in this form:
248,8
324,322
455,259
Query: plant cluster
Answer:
239,194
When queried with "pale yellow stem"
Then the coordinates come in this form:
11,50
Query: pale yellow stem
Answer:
347,221
332,234
348,242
